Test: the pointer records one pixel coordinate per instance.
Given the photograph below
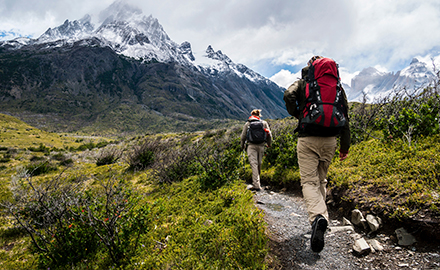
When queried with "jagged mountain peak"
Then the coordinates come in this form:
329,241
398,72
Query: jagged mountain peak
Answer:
217,55
376,84
185,49
119,11
414,61
69,29
416,69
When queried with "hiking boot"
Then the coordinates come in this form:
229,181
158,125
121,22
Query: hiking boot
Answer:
319,226
252,188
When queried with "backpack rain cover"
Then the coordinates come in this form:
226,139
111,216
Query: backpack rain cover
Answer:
325,112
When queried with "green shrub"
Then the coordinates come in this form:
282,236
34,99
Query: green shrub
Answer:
108,156
199,229
40,148
142,156
219,168
179,161
86,146
70,223
283,150
38,168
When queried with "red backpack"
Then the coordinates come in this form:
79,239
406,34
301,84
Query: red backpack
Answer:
325,113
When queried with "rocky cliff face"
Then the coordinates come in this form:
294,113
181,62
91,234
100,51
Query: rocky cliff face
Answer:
126,75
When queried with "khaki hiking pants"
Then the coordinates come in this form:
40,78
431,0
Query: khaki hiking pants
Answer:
314,157
255,154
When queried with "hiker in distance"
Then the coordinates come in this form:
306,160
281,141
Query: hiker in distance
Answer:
319,102
256,134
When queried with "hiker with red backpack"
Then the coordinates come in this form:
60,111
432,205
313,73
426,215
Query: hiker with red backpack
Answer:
319,102
256,134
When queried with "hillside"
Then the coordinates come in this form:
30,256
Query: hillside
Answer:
17,134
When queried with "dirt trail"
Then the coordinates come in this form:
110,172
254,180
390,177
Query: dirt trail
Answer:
289,233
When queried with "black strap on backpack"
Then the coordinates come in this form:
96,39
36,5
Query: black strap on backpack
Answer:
324,113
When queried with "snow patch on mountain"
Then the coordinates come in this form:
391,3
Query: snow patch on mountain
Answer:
127,31
69,30
373,84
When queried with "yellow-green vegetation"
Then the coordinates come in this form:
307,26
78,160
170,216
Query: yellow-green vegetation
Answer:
393,179
17,134
198,229
178,201
152,202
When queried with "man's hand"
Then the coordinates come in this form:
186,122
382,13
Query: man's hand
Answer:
342,156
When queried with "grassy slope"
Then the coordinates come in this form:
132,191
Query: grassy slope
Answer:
16,134
392,179
182,212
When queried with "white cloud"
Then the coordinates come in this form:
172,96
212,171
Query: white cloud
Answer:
346,75
285,78
280,33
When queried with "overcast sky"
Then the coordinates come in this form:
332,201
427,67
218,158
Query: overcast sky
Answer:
273,37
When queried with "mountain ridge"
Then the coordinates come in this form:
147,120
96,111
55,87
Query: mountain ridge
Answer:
84,75
375,84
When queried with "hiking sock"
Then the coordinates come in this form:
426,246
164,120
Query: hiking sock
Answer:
319,226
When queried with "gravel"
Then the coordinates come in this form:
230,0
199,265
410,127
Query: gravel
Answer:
289,233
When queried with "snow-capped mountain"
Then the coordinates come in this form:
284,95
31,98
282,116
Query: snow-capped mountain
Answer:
86,73
75,30
129,32
375,84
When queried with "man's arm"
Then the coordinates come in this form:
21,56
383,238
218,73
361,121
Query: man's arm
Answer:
243,135
345,134
291,96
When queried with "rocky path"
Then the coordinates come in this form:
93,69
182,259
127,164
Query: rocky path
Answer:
289,233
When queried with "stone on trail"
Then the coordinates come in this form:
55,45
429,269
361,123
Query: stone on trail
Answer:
357,218
341,228
375,245
346,222
374,222
361,246
404,238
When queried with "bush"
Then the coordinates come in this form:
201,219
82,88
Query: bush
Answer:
219,167
108,156
86,146
39,168
142,156
178,161
40,148
70,223
410,116
283,150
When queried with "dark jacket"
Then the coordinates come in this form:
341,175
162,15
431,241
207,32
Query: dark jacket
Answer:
295,100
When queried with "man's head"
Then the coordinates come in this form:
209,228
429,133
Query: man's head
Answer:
316,57
256,112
